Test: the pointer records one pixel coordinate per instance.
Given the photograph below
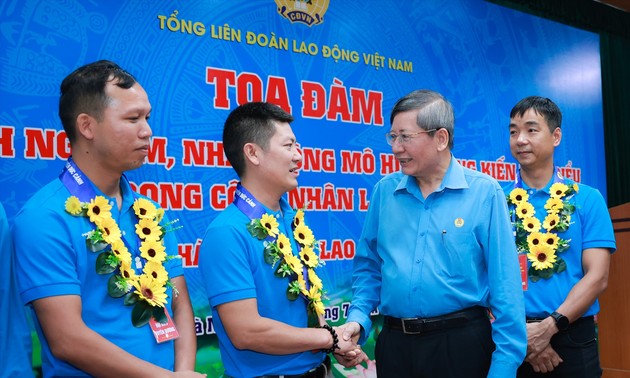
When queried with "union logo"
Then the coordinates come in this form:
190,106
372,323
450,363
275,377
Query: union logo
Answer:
308,12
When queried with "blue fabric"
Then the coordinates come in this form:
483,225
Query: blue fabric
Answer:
591,227
52,259
233,268
453,250
15,333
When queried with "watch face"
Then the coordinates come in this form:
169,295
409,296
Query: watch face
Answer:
562,322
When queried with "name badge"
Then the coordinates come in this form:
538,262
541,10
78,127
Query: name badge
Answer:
164,331
522,262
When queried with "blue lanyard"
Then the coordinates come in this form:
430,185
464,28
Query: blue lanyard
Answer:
74,180
254,209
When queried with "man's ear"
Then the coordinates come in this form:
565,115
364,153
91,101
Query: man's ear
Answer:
85,126
251,152
442,137
557,136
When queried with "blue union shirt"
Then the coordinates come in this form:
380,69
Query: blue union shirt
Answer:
590,227
422,257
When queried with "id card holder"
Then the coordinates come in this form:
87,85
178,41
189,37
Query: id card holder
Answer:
522,262
164,331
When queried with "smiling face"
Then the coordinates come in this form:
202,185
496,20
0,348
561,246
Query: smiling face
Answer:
120,138
420,154
280,160
531,142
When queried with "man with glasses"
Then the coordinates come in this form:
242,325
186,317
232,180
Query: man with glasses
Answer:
435,255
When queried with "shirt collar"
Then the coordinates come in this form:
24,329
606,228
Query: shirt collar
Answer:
454,178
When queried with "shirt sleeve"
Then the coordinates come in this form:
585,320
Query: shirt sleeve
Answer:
506,295
366,277
224,265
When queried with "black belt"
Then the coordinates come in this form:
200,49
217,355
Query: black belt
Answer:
586,319
319,372
422,325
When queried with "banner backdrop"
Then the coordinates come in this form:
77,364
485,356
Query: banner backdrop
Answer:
337,66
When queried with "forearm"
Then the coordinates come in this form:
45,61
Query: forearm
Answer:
72,341
98,357
186,343
248,330
586,291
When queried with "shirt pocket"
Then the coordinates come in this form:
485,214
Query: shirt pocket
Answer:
459,254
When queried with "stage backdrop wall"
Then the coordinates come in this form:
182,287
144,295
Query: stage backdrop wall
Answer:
337,66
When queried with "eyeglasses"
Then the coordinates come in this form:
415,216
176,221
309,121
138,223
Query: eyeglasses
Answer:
403,138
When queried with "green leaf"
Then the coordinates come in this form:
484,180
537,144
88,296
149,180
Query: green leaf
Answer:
546,273
141,314
269,254
532,273
560,266
130,298
95,247
114,286
102,264
313,319
159,314
256,230
291,294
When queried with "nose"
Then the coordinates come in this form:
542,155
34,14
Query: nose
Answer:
145,130
397,146
297,155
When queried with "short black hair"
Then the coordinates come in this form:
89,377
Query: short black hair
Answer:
83,91
541,105
253,122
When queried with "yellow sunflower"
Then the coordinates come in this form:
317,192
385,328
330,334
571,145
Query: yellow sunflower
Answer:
551,221
127,272
153,250
148,229
531,224
558,190
119,249
576,187
309,257
554,205
109,229
518,195
541,256
270,223
551,240
534,239
299,218
318,307
303,235
315,280
150,290
98,208
294,263
284,245
525,210
73,205
156,271
144,208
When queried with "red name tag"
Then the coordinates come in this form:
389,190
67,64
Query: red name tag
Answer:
164,331
522,262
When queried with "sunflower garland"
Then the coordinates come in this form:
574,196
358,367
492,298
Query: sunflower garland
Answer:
278,253
540,240
147,291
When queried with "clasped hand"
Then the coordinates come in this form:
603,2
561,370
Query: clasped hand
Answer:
349,353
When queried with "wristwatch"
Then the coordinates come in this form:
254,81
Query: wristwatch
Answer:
562,322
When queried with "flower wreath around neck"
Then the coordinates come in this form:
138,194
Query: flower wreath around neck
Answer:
540,242
147,291
279,254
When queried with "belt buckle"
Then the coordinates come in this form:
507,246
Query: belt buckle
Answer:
404,326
